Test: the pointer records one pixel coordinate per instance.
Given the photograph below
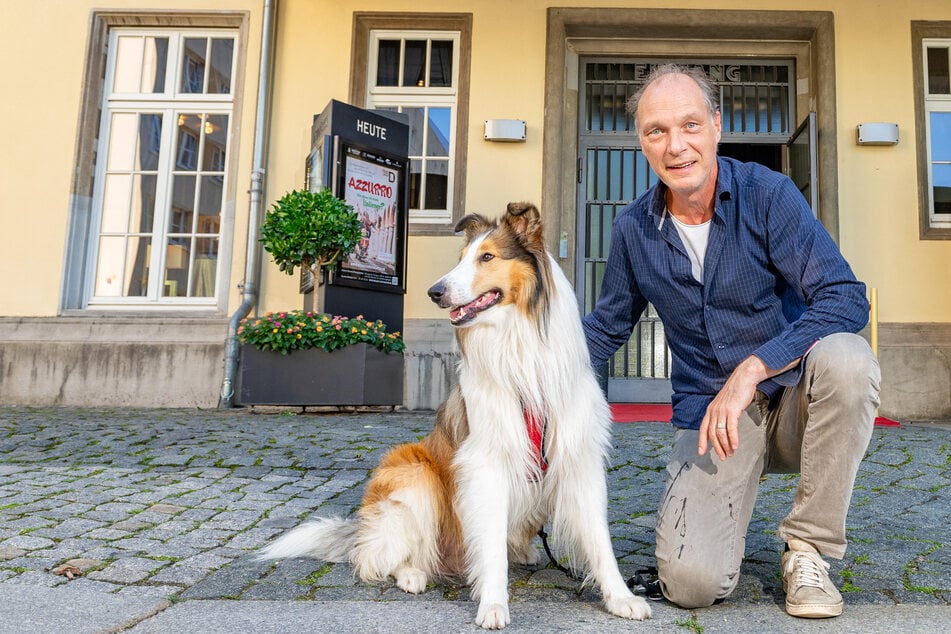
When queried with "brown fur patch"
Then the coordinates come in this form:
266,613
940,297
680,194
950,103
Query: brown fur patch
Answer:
428,464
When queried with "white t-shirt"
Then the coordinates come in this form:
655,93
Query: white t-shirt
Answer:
694,238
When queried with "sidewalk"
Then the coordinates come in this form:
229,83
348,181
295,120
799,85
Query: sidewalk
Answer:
165,509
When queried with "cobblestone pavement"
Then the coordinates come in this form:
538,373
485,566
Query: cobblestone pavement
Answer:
174,503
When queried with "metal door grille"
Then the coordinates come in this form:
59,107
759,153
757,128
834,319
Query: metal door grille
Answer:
755,98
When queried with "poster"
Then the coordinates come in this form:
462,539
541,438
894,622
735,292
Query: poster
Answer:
371,185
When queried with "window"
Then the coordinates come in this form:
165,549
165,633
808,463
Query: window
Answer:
937,61
932,60
167,108
418,65
415,73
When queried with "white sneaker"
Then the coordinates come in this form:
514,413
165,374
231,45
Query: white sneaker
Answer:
809,591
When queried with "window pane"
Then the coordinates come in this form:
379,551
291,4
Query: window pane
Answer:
216,142
940,136
186,153
122,138
414,63
128,68
140,64
437,141
143,203
939,76
415,130
440,64
150,140
154,64
206,268
193,65
222,54
115,203
176,268
415,183
388,63
137,267
942,188
183,204
209,205
109,271
436,184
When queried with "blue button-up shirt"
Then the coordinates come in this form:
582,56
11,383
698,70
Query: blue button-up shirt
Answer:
774,283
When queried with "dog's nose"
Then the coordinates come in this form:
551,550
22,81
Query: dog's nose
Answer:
436,291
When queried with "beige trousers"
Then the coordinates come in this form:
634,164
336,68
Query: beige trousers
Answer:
820,429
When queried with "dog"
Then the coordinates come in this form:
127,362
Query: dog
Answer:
521,441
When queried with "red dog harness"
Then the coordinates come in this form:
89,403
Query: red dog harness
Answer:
536,438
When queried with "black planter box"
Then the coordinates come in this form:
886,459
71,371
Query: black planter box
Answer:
359,374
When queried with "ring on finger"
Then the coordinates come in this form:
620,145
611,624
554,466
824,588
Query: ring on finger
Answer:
721,426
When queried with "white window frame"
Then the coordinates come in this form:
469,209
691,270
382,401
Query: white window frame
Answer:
414,96
170,104
933,103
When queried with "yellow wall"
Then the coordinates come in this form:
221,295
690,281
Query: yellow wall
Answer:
38,116
878,186
878,195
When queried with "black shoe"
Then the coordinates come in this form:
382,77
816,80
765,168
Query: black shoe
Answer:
645,583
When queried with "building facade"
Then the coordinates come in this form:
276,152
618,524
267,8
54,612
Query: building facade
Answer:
144,146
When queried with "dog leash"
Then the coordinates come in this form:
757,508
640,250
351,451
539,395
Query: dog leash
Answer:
551,557
644,582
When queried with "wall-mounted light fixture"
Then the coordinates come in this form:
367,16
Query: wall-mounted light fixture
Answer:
876,133
508,130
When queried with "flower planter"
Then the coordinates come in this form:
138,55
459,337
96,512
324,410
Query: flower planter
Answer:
358,374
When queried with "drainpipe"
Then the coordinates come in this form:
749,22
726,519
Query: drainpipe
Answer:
249,288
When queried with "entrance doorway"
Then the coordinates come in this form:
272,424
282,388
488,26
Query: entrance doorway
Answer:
757,102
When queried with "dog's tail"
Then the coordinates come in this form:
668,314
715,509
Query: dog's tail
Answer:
327,539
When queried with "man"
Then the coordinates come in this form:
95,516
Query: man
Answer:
759,308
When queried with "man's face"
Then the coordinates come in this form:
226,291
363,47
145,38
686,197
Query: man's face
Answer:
678,135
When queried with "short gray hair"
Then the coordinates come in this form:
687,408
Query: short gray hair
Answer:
711,94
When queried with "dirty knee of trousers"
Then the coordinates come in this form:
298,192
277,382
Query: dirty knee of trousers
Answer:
689,588
845,359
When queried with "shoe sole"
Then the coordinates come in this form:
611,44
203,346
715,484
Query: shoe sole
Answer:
814,611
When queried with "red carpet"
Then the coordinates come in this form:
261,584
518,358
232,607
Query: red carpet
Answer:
641,412
661,413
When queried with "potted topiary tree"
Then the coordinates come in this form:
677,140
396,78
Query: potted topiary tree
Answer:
310,230
336,360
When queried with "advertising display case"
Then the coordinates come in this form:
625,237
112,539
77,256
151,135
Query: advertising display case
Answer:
361,155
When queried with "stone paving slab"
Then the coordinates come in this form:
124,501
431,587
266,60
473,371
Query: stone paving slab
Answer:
29,608
100,484
296,617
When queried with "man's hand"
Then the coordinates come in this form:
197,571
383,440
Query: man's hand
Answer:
720,425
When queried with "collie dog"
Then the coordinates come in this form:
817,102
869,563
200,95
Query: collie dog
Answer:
521,441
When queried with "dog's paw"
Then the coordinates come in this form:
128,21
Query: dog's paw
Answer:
628,607
412,580
527,556
492,616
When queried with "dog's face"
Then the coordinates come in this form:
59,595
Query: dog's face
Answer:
503,264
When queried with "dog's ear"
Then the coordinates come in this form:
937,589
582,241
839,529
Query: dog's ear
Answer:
473,225
525,221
